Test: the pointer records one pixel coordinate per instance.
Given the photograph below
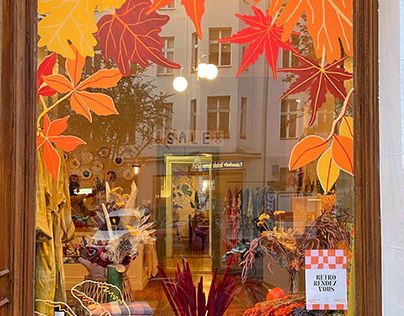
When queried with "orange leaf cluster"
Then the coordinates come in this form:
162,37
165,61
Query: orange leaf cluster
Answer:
83,101
50,136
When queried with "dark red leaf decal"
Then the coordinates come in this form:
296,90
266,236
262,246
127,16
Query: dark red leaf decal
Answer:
261,36
195,10
45,68
318,80
132,36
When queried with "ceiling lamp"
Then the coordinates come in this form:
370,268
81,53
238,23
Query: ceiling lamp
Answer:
180,84
211,72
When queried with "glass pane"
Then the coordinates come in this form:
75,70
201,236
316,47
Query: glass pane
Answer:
213,165
214,54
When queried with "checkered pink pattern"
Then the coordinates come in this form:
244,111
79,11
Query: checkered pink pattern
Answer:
326,259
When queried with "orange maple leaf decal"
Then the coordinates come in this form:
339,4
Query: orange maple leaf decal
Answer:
329,23
50,135
195,10
82,101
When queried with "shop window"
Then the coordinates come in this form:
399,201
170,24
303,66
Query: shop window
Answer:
219,53
243,118
288,58
167,117
169,6
289,114
194,52
219,115
168,52
193,115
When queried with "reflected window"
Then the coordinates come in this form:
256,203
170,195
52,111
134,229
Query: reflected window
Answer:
219,53
193,115
243,118
167,119
288,58
289,113
219,115
168,52
195,52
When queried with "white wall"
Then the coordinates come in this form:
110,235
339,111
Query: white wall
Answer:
392,154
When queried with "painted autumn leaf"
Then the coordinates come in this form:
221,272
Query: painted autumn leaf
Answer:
132,36
65,23
83,101
195,10
318,81
108,4
327,171
342,153
346,127
261,36
50,136
329,22
45,68
306,151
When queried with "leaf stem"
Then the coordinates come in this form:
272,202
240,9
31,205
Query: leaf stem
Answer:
48,109
341,115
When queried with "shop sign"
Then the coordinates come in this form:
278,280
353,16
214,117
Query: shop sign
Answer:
326,279
218,165
189,138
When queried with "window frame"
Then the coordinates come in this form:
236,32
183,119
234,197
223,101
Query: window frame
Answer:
165,51
220,45
218,111
243,118
19,160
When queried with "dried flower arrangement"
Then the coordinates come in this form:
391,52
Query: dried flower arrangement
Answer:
326,232
122,227
186,300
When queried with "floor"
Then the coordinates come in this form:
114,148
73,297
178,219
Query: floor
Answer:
246,296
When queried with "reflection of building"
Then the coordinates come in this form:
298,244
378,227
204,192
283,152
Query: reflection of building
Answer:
257,127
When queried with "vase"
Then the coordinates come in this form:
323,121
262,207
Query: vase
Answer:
114,278
294,285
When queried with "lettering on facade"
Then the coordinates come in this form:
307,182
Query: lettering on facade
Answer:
189,138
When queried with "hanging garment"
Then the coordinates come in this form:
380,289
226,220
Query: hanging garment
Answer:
53,227
269,200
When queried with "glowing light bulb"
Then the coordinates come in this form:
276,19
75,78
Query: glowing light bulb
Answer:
180,84
202,70
211,72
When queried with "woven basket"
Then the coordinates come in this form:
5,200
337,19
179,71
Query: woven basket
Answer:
97,294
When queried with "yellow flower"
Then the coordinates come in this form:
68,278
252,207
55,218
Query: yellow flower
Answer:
120,204
263,217
279,212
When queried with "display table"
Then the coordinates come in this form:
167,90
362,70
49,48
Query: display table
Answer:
137,273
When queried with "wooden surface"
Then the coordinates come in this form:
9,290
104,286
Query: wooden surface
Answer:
17,161
366,147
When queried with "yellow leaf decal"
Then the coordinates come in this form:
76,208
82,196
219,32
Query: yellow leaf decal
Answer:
108,4
327,171
346,127
68,20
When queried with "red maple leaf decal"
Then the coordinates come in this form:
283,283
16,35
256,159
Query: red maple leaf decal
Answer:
262,36
132,36
45,68
195,10
318,80
50,135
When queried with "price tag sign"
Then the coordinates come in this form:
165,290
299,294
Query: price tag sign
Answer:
326,279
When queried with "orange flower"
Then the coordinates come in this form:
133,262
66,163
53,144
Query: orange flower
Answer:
83,101
49,136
